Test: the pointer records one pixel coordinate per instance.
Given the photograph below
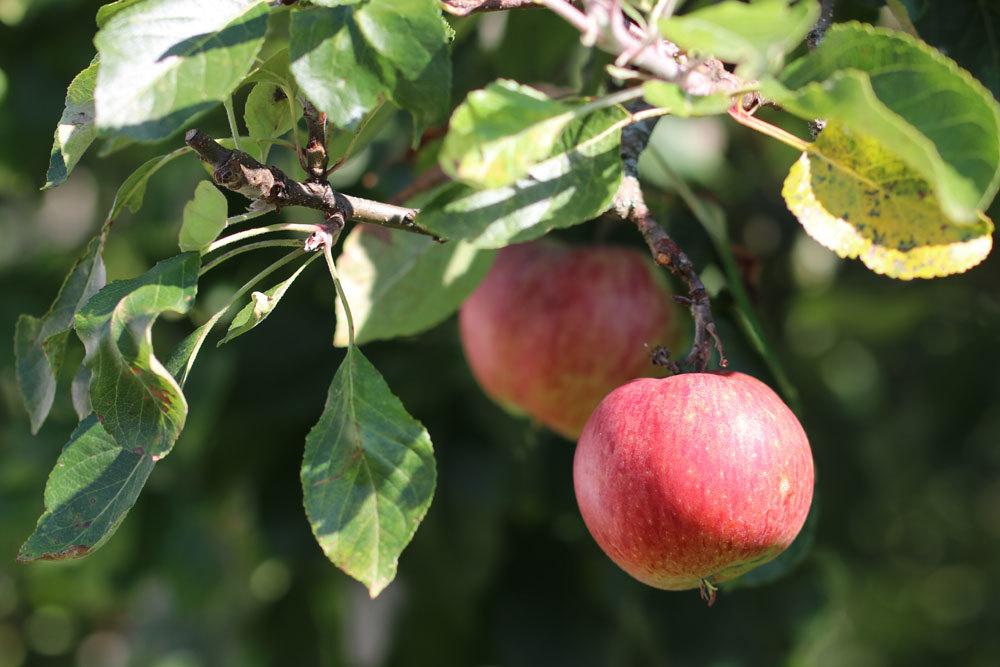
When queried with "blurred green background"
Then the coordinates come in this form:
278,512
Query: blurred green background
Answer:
216,565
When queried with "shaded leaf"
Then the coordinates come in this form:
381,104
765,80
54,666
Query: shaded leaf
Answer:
204,218
268,113
137,400
670,96
40,343
368,474
576,183
262,304
348,56
93,486
399,284
756,35
75,131
854,198
500,131
916,102
163,62
968,33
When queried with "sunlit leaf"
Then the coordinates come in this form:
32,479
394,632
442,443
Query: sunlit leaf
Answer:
204,218
75,131
755,35
576,183
93,486
163,62
671,96
137,400
500,131
400,284
262,304
368,474
859,201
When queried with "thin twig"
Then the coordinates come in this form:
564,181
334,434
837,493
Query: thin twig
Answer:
630,205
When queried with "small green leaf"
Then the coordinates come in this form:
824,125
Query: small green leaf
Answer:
131,193
670,96
204,218
368,474
400,284
137,400
262,304
576,183
182,359
75,131
39,343
916,102
499,132
93,486
755,35
860,201
268,114
163,62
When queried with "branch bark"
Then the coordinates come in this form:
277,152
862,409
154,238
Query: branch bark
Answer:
241,173
467,7
630,205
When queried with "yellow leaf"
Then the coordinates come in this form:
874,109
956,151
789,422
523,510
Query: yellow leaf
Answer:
861,201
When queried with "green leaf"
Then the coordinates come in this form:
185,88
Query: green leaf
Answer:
39,343
137,400
262,304
860,201
576,183
106,12
916,102
75,131
93,486
499,132
756,35
131,193
348,56
204,217
368,474
399,284
967,32
671,96
163,62
268,114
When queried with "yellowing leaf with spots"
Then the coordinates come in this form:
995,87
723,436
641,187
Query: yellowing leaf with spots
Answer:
863,202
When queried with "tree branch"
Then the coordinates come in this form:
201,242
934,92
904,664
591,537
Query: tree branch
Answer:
314,157
467,7
630,205
241,173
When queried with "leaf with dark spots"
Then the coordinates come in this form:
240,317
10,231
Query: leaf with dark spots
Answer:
137,400
92,487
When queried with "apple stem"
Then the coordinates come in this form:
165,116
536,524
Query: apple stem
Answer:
708,591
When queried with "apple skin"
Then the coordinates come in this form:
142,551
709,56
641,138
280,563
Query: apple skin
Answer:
553,328
699,476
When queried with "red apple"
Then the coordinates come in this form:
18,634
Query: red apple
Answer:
695,478
554,328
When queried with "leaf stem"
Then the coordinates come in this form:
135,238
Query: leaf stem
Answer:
328,254
898,11
249,215
257,231
277,243
231,117
773,131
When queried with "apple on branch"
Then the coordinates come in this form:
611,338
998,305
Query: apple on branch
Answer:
693,480
553,328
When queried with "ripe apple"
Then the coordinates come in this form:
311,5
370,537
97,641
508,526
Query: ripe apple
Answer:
553,328
692,480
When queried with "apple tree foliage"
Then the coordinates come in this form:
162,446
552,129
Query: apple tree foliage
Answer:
899,177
